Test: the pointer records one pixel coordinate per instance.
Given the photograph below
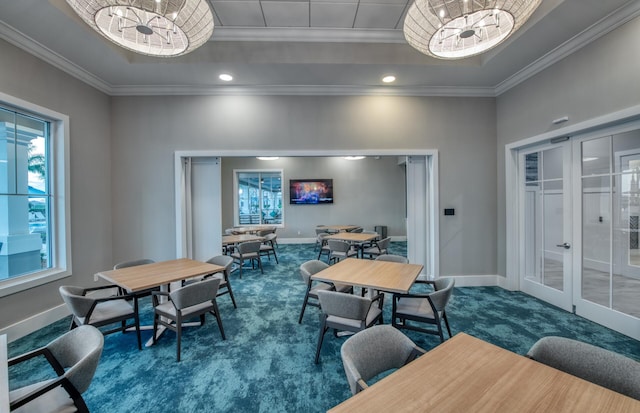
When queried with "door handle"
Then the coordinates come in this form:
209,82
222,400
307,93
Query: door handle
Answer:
566,245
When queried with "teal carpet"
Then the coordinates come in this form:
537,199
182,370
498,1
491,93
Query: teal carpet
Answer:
266,363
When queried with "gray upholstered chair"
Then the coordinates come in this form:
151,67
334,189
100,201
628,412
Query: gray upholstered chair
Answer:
100,312
378,248
193,300
74,357
595,364
225,285
309,268
324,244
373,351
339,250
249,250
393,258
409,309
346,312
135,263
268,246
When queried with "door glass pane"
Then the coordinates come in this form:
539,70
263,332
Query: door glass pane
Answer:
553,233
596,156
596,239
626,262
543,209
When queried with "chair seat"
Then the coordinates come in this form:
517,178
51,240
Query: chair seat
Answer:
109,310
55,401
372,250
351,324
414,307
245,256
320,286
169,310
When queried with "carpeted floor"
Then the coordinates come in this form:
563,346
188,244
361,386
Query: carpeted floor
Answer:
266,363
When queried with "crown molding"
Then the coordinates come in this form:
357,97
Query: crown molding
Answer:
599,29
33,47
308,35
606,25
302,90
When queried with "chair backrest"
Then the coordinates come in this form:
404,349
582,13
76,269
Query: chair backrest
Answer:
133,263
443,290
357,230
393,258
320,231
373,351
344,305
74,298
78,352
270,237
383,244
264,232
195,293
229,231
595,364
225,261
307,269
249,247
338,245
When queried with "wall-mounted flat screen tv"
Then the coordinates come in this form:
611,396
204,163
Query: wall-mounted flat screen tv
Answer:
310,191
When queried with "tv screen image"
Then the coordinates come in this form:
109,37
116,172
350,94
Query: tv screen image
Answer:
310,191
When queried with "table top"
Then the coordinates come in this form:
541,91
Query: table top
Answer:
380,275
352,236
466,374
338,227
142,277
236,239
4,375
253,228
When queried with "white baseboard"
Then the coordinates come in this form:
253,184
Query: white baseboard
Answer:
35,322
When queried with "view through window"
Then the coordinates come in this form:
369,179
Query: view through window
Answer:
259,197
25,226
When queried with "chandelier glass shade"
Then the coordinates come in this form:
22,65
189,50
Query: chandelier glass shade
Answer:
163,28
455,29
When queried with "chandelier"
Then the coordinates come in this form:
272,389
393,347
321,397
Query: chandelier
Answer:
163,28
454,29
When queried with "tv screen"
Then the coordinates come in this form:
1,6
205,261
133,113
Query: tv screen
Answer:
310,191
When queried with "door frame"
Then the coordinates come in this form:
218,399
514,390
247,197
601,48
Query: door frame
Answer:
512,208
426,239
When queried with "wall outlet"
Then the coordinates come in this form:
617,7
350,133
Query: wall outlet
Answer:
299,233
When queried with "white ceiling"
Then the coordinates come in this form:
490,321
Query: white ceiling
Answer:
308,47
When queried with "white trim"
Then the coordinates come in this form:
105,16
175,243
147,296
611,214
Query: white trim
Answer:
35,322
38,50
307,35
606,25
61,202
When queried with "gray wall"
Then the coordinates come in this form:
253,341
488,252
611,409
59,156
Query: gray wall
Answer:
598,79
147,130
122,152
28,78
367,192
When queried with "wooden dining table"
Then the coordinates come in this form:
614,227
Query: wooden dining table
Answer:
158,274
466,374
388,276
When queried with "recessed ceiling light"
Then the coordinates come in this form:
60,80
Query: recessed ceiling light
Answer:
353,158
389,79
267,158
226,77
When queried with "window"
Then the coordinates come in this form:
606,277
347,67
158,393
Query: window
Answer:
33,231
258,197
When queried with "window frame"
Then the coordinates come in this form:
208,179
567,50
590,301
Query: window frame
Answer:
236,185
59,185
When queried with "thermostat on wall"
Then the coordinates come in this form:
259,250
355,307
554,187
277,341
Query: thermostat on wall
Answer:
449,211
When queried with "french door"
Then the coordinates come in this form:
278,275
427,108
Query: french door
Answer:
546,244
579,215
